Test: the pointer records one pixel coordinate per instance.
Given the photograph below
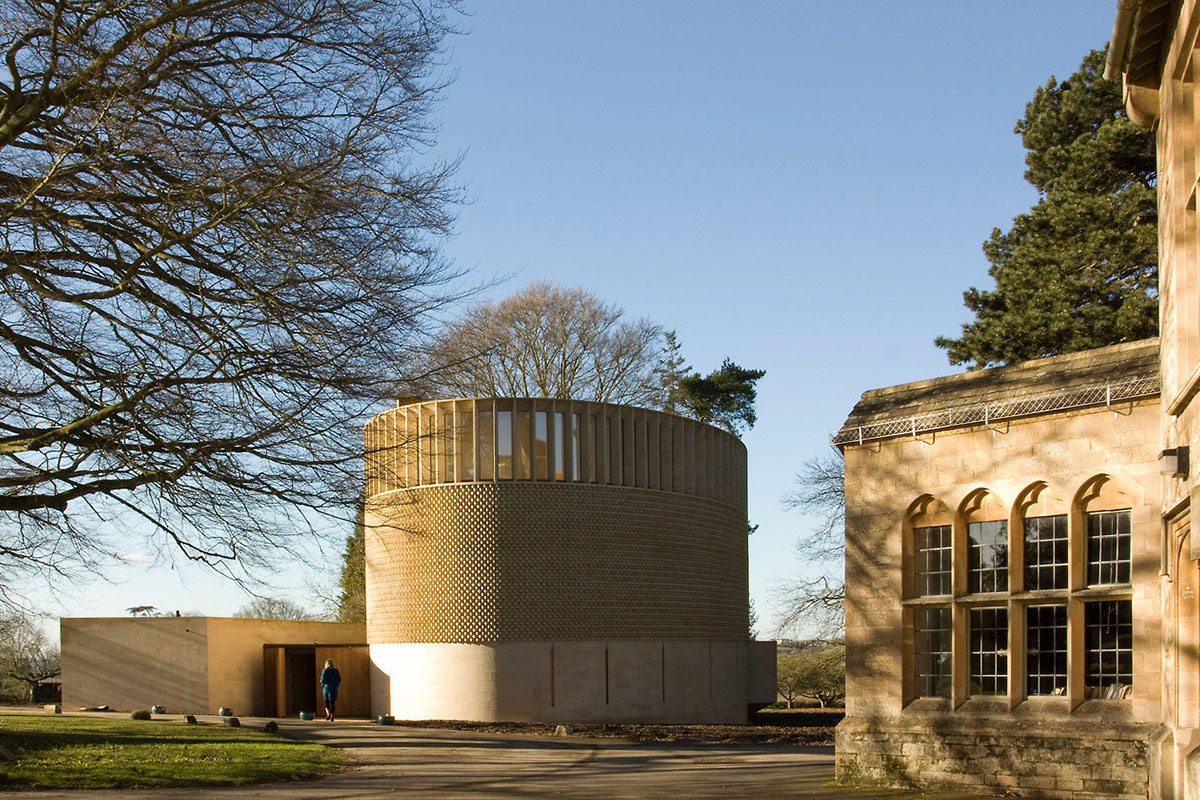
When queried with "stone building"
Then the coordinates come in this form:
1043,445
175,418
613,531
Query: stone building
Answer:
1004,602
556,560
925,694
1153,50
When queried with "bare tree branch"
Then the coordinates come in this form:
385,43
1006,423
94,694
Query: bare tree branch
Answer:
817,605
26,656
820,493
274,608
219,247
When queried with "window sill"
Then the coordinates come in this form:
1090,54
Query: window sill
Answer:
984,704
1042,705
1042,596
928,706
984,599
928,600
1107,710
1115,591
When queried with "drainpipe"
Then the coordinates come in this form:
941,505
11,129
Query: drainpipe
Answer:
1126,14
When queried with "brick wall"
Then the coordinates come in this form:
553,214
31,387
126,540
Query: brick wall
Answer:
493,562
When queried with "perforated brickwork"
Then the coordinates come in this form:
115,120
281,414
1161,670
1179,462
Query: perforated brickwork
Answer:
534,562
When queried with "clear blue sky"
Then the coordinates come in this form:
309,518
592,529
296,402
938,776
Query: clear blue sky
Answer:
800,186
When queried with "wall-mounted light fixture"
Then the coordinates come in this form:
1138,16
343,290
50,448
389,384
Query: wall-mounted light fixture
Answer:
1174,461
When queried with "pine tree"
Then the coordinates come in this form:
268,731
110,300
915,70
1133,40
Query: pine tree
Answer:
723,397
671,370
1080,269
352,600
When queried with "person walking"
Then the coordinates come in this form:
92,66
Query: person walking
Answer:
330,680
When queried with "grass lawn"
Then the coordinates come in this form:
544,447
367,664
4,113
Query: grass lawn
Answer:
65,752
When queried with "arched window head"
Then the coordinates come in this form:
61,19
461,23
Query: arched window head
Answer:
986,519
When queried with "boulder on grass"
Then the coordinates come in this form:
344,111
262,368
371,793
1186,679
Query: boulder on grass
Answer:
141,713
271,727
232,722
189,719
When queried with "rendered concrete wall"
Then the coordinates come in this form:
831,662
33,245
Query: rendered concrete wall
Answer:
643,681
191,665
235,655
762,686
136,662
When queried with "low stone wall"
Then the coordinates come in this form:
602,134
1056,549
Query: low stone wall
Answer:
1042,758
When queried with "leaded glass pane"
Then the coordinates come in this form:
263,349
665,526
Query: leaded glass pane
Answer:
932,557
1046,553
931,651
987,556
1046,650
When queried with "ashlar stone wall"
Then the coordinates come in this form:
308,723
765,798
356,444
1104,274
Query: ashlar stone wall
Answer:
919,713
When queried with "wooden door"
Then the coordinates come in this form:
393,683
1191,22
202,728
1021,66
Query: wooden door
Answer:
354,664
274,683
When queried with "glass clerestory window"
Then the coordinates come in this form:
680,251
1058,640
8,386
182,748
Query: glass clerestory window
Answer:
987,556
932,554
1046,553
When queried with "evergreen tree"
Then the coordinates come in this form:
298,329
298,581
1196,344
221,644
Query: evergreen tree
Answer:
723,397
352,599
671,370
1080,269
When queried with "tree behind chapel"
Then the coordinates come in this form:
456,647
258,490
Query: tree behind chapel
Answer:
1080,269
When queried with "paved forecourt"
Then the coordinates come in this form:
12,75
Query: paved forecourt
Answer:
429,763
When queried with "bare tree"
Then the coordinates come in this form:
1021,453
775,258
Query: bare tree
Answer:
548,341
274,608
219,246
26,656
817,603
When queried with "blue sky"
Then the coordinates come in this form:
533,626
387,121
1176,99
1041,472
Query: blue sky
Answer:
800,186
